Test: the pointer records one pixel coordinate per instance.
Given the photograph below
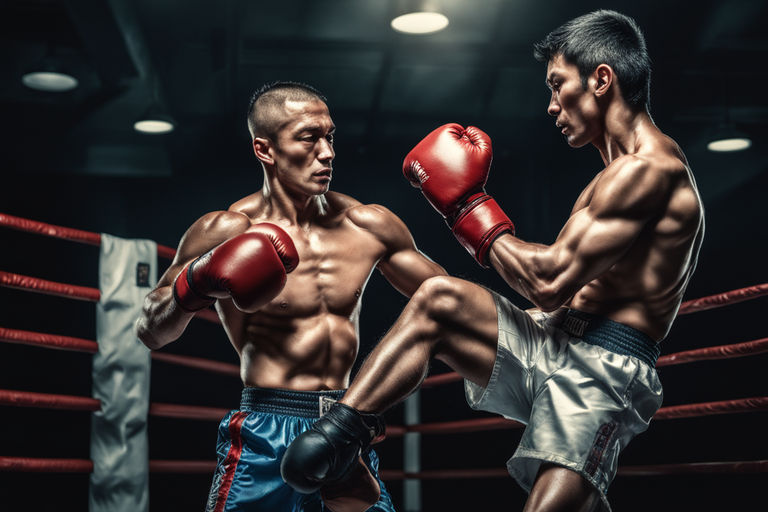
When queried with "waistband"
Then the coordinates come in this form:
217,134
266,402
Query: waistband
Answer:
307,404
611,335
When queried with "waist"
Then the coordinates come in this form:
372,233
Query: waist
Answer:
611,335
307,404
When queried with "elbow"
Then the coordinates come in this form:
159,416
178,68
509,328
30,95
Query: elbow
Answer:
549,297
146,336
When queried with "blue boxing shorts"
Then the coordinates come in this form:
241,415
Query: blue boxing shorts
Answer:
251,444
584,385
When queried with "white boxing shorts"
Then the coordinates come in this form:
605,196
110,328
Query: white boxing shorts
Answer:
584,387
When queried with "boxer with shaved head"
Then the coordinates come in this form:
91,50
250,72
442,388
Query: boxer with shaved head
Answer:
278,267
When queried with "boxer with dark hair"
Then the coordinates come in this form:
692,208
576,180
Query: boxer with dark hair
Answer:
579,369
278,267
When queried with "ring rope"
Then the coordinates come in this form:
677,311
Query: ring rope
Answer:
70,291
670,412
751,466
198,363
746,348
53,341
712,408
723,299
15,398
191,412
73,235
729,351
27,464
48,401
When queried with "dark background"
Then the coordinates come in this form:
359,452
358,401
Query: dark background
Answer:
73,159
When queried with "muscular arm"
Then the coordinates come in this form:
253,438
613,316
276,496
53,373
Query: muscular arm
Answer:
403,264
627,195
161,320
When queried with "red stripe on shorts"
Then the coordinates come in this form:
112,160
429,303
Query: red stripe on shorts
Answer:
231,460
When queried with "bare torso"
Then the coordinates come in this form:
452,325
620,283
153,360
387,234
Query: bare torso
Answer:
644,288
307,337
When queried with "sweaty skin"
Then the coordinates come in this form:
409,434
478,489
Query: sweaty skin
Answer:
630,245
627,252
306,338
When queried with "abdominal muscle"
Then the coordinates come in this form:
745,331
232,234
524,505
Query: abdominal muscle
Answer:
308,353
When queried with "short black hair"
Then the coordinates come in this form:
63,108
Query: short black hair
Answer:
262,118
603,37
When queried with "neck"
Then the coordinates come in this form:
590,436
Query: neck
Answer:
298,209
622,131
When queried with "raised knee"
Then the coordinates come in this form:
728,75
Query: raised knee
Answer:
440,297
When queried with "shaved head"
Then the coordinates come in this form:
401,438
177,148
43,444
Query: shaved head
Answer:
266,112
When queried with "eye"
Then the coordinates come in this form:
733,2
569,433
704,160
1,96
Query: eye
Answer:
330,138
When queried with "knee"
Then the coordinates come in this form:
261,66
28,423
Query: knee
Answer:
440,298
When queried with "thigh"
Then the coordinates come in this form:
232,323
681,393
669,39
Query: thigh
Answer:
470,332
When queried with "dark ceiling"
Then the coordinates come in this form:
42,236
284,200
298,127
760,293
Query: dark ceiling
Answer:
203,59
73,159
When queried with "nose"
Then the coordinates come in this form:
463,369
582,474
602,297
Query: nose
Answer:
554,107
325,152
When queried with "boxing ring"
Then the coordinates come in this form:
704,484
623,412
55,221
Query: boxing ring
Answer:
412,428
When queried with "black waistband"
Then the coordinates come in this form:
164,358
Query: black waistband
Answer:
611,335
307,404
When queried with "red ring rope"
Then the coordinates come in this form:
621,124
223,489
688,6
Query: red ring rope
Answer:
723,299
191,412
48,340
750,466
197,362
28,464
665,413
746,348
74,235
48,401
70,291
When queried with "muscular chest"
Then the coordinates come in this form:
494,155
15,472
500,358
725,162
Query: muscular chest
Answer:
335,264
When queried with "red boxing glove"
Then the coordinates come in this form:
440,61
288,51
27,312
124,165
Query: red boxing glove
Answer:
251,268
450,166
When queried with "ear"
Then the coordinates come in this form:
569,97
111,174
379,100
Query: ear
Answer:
262,148
604,79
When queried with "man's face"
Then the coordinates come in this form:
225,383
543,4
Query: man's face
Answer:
574,108
303,149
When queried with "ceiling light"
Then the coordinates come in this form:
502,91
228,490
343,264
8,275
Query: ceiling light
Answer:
728,138
49,81
153,126
154,121
732,144
420,22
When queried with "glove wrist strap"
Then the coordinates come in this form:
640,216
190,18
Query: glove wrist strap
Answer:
185,295
479,224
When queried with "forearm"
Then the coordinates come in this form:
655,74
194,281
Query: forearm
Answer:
532,270
162,320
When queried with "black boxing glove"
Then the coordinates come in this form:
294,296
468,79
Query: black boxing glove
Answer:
326,452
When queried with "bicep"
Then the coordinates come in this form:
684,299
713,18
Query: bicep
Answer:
597,236
590,244
402,264
406,269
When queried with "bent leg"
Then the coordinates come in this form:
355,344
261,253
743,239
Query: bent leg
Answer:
357,492
560,489
447,318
